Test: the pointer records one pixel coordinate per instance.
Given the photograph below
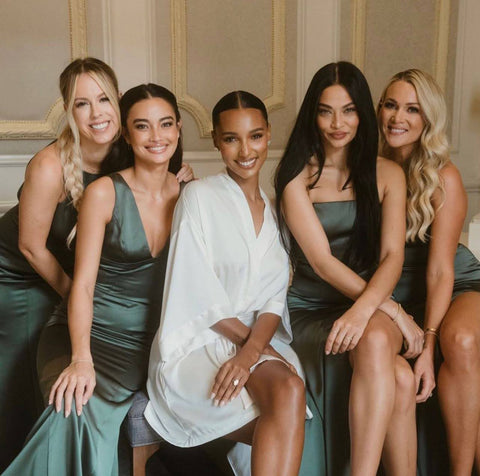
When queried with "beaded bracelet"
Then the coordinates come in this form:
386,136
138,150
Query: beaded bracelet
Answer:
431,330
399,308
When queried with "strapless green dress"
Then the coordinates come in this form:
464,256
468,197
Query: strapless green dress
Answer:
314,306
411,292
126,312
26,303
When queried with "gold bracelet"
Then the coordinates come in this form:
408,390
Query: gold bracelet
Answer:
431,330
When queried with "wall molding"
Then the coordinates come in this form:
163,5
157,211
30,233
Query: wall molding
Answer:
15,160
314,27
359,20
178,19
48,127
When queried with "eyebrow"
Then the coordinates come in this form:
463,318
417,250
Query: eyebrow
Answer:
408,103
146,120
258,129
86,99
320,104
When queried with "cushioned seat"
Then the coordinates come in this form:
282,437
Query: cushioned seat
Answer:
140,435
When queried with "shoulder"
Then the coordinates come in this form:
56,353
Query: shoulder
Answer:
450,176
45,167
452,186
203,188
389,175
101,190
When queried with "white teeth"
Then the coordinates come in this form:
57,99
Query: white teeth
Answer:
397,131
103,125
246,163
157,149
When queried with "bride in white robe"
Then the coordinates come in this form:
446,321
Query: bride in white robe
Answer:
225,294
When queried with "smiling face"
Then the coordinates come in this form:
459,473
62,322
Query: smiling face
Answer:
152,130
337,118
93,113
401,119
242,137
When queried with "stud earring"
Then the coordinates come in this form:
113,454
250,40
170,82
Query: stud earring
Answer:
216,148
269,142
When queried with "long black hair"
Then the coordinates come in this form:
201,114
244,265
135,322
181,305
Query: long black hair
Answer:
305,142
238,100
121,156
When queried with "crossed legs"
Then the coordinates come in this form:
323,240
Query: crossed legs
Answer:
377,402
277,434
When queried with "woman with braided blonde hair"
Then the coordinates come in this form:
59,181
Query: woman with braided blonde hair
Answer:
36,249
440,282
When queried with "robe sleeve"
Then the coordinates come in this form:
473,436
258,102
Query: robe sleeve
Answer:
194,298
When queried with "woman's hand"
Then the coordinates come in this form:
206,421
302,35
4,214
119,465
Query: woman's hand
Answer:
78,380
232,376
185,174
346,332
424,376
412,334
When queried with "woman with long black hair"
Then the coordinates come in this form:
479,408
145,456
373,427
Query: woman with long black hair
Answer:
345,211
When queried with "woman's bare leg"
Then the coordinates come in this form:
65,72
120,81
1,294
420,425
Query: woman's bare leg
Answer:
372,392
459,381
277,434
399,456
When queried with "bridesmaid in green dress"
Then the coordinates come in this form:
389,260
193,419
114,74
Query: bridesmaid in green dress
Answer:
344,208
440,282
114,305
35,262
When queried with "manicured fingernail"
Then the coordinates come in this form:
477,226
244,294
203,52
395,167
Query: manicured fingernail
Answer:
216,402
212,396
79,412
222,404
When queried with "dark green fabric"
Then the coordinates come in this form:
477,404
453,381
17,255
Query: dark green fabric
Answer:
127,305
26,302
411,293
314,306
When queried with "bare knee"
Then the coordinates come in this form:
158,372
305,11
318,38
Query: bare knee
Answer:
374,350
288,394
460,347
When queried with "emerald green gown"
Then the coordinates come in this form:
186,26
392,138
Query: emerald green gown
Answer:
411,292
126,311
314,306
26,303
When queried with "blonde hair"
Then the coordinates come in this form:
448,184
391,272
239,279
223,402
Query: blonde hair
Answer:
69,139
429,156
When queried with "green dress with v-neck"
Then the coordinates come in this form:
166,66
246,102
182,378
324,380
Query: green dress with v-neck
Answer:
126,312
314,306
26,303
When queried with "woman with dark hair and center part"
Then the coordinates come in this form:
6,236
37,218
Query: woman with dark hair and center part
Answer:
220,363
345,210
93,362
440,282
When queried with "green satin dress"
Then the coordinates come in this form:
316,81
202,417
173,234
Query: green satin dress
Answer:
126,312
26,303
411,292
314,305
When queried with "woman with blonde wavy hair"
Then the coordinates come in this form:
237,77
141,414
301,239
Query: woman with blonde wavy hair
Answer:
36,249
440,282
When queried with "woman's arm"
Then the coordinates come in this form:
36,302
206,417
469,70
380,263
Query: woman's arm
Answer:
78,379
310,236
41,193
238,368
445,233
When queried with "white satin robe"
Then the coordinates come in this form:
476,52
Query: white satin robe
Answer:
217,268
